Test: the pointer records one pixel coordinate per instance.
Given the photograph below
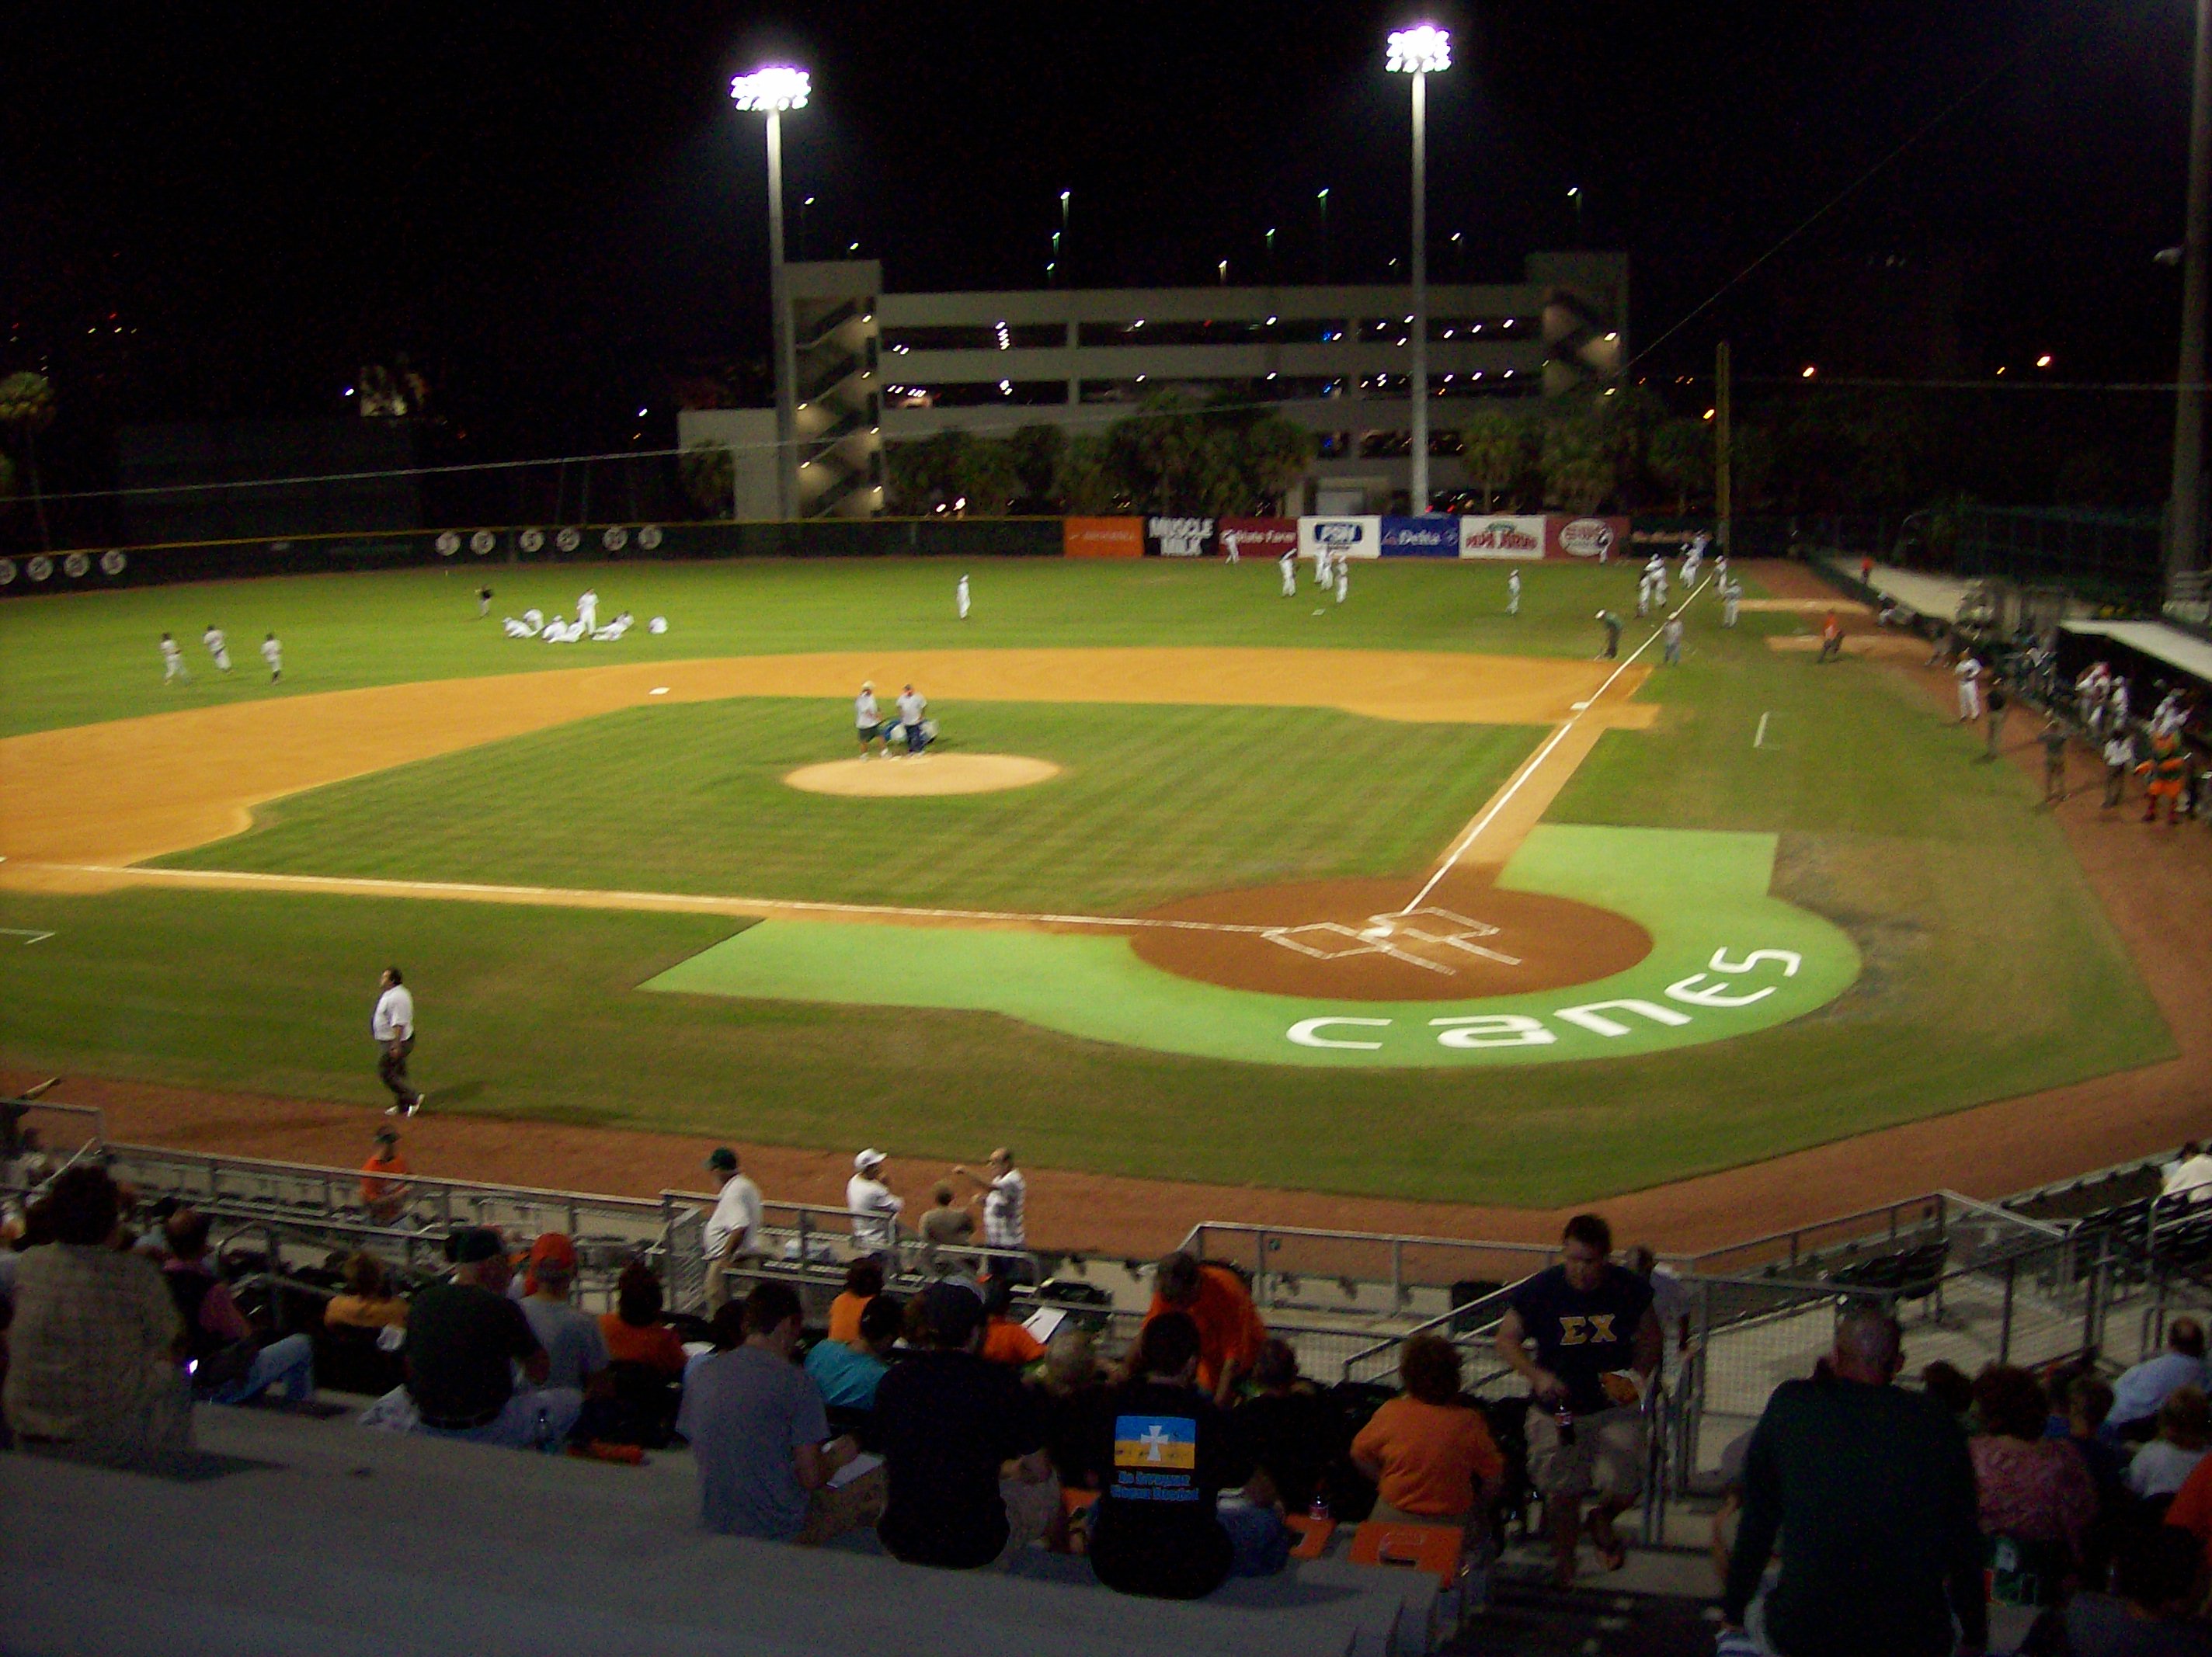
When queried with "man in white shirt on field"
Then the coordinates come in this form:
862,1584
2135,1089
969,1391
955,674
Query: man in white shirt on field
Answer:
867,718
392,1024
273,653
1006,1206
733,1229
911,705
218,646
875,1210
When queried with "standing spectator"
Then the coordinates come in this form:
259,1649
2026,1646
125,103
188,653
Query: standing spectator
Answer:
2140,1390
368,1302
1169,1451
392,1024
1006,1204
2190,1176
2163,1466
948,1422
1597,1347
848,1372
1293,1434
634,1333
945,1226
2053,738
1968,672
1999,700
875,1211
1006,1341
864,1282
465,1338
383,1191
92,1348
2032,1491
1873,1488
757,1430
575,1352
1670,1303
2120,755
1430,1456
1213,1296
228,1363
733,1229
2152,1612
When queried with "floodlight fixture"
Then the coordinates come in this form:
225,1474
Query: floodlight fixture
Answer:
1423,50
771,89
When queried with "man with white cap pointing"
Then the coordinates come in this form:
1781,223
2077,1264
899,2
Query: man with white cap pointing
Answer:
875,1211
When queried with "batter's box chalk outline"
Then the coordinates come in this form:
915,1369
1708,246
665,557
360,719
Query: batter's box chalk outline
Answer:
1466,927
1356,945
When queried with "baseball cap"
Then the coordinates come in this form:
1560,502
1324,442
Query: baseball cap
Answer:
477,1242
553,1249
951,1313
721,1157
868,1159
387,1136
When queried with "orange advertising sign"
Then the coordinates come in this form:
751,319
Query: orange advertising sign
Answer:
1102,538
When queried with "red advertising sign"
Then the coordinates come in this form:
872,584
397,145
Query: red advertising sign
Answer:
1102,538
1595,539
1258,538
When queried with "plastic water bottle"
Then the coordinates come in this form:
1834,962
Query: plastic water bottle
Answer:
1319,1508
541,1435
1565,1419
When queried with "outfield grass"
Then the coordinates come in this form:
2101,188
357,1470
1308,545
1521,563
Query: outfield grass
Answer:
1155,802
1990,969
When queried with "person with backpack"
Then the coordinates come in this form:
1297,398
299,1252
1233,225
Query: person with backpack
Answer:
224,1360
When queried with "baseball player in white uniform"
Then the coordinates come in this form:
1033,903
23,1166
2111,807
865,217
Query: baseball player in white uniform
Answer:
1655,572
216,645
1659,587
1288,563
587,609
1690,564
1513,593
1731,598
867,718
273,653
1343,578
1969,672
960,598
173,662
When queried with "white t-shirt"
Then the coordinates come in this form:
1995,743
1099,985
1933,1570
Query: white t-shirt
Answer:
865,712
1004,1206
2120,750
395,1015
910,704
2191,1175
2160,1468
739,1212
875,1212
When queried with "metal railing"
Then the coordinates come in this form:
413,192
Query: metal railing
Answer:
1373,1273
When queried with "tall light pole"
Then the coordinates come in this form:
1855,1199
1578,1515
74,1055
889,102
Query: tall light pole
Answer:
1421,53
1322,197
1575,200
2185,515
771,91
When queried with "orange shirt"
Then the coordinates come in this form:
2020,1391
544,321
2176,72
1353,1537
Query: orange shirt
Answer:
354,1312
1229,1326
845,1317
1432,1455
655,1343
374,1190
2191,1508
1004,1342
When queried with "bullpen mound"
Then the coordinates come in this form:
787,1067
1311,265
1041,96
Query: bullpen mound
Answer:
916,775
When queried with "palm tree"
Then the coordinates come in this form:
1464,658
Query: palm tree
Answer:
26,408
1494,448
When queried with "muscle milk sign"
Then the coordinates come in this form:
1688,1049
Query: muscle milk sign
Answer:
1434,536
1345,538
1515,538
1178,537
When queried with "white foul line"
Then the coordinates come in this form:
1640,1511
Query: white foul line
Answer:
1504,797
27,934
1758,736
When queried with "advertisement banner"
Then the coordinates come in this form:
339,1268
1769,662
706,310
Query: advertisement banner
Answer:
1350,537
1178,537
1594,538
1102,538
1501,536
1433,536
1259,537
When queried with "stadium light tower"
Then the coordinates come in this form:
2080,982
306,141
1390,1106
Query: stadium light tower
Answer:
771,91
1421,53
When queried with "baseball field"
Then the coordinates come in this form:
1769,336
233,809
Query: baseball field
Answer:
1403,898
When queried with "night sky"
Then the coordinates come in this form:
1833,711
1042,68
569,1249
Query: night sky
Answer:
554,212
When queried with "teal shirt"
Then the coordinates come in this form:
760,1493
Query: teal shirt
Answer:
847,1379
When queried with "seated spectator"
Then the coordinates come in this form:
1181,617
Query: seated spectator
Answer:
94,1346
2140,1390
632,1331
1292,1431
1006,1341
725,1332
1230,1332
847,1371
758,1431
576,1353
1073,1393
2087,1399
228,1362
2190,1176
2152,1612
963,1444
368,1301
2163,1466
945,1225
1431,1457
2031,1491
465,1338
383,1191
1949,1386
1168,1452
864,1281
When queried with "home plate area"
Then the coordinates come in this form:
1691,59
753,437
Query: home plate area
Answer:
1352,940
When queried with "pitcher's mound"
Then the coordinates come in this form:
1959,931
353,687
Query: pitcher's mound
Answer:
922,773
